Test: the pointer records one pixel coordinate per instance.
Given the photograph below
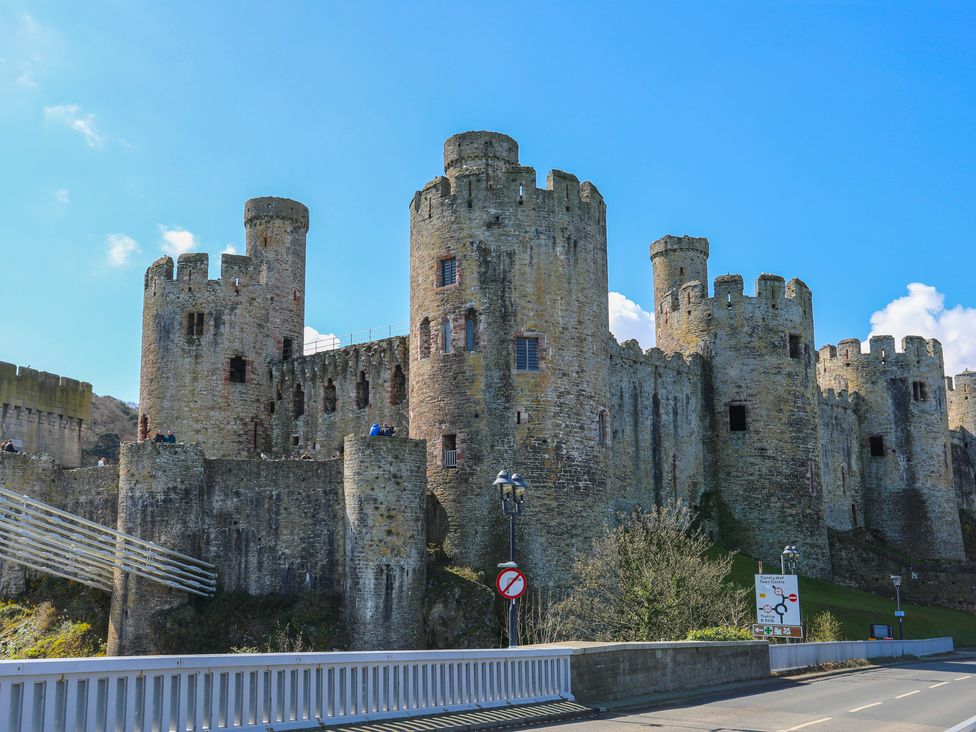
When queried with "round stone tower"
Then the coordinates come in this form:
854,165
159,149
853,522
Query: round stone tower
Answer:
962,402
508,299
900,399
762,402
207,344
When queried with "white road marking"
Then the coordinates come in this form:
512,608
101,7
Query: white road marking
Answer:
960,678
807,724
936,686
866,706
908,693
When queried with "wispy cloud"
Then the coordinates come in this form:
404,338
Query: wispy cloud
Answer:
230,249
73,118
121,247
62,196
26,80
177,241
628,320
923,312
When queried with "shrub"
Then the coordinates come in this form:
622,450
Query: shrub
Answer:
720,633
825,628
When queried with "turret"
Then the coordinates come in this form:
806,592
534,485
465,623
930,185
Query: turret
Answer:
904,448
508,297
677,261
962,402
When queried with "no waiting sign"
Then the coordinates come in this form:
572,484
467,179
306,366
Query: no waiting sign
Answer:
510,584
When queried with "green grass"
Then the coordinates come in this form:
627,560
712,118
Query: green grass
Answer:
857,610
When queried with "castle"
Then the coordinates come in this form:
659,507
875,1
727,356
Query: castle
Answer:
509,363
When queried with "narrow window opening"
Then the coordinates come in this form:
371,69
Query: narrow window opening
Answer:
737,417
362,391
299,400
398,386
526,354
424,336
286,348
238,370
470,202
264,240
189,324
884,355
446,335
876,444
919,392
271,407
728,300
854,515
681,271
329,397
470,331
518,416
144,428
295,296
795,349
843,479
521,194
449,443
294,441
601,429
430,210
447,273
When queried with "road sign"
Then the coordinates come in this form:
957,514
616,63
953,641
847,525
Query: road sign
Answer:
778,631
899,613
777,600
510,583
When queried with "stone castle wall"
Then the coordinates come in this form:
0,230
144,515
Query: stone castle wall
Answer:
761,402
208,345
656,422
841,462
321,398
908,489
44,412
530,264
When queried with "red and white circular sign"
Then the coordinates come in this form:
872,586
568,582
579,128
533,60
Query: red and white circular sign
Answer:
510,584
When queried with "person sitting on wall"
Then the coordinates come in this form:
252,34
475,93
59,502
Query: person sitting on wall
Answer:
9,446
159,437
102,462
387,430
171,438
374,430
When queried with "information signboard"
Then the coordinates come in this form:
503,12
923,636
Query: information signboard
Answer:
777,599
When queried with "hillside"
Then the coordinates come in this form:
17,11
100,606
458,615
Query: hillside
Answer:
113,421
856,610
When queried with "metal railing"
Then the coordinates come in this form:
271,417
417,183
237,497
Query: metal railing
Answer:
786,656
261,692
47,539
450,458
348,339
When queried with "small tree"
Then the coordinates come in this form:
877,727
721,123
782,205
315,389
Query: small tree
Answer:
825,628
651,579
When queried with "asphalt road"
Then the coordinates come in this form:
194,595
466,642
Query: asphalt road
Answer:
926,696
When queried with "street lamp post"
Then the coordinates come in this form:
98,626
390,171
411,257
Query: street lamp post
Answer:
896,581
790,557
511,489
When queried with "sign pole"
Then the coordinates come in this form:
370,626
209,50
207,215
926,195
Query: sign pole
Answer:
512,609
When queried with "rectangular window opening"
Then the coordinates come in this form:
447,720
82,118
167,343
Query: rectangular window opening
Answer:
286,348
876,444
526,354
448,272
919,392
449,443
737,418
795,348
238,370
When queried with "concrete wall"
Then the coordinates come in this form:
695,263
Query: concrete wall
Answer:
44,412
607,671
321,398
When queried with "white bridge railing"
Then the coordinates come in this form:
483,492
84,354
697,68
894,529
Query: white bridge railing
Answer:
274,691
786,656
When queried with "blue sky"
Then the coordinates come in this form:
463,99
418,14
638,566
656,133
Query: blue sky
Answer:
827,140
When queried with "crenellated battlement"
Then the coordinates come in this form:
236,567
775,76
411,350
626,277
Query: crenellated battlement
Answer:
192,271
656,358
831,399
343,360
272,207
915,351
45,392
770,290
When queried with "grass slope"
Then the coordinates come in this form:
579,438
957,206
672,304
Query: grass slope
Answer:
856,610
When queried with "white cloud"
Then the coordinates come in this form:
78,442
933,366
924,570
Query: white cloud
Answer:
121,247
62,196
923,312
315,341
26,80
72,117
177,241
230,249
629,320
